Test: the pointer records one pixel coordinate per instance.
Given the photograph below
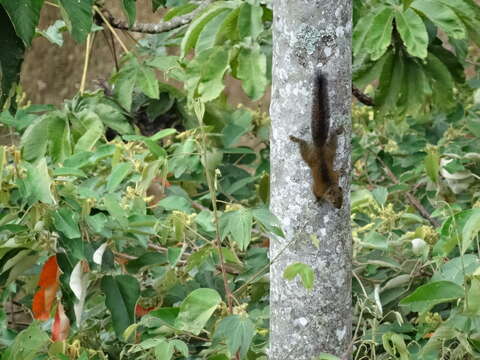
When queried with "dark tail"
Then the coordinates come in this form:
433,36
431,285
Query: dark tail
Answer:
320,110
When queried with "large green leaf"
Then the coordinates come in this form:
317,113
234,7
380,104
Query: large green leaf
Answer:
443,16
441,81
119,172
196,26
210,33
130,9
66,222
59,138
252,68
25,15
413,32
250,21
379,33
91,128
28,344
196,309
78,17
34,140
470,230
11,56
147,82
121,295
426,296
238,332
38,183
238,225
211,66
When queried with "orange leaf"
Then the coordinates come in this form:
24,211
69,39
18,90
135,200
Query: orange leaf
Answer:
38,306
50,273
61,325
48,283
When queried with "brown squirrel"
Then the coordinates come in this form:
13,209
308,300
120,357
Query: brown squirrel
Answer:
320,154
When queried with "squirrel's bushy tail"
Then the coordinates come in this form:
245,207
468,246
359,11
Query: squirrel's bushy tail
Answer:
320,110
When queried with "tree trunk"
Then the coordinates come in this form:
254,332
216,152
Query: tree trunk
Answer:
309,35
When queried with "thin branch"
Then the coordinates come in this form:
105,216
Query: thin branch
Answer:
363,98
110,27
412,199
85,64
164,26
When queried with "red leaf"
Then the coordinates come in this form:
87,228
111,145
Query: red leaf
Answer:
61,325
140,310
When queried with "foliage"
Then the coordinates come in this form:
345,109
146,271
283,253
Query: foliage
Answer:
150,244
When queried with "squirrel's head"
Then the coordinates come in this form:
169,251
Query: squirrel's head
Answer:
334,195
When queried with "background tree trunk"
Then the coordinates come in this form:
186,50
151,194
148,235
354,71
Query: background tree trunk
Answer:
309,35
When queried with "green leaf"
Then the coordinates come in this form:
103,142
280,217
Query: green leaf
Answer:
78,17
121,295
441,80
238,332
470,230
178,11
209,34
250,22
38,183
130,9
180,346
305,271
54,32
59,138
432,165
28,344
92,129
379,33
147,82
413,32
362,32
196,26
25,15
252,68
119,172
11,57
124,82
176,202
34,140
442,16
380,194
238,225
270,222
147,259
426,296
164,350
66,222
196,309
214,64
391,81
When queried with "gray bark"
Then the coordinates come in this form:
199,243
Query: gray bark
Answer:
309,35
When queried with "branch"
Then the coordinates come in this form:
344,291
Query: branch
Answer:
412,199
161,27
363,98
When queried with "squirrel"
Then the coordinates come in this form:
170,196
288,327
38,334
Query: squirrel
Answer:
320,154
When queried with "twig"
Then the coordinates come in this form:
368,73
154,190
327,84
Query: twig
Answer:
412,199
165,26
363,98
85,64
111,29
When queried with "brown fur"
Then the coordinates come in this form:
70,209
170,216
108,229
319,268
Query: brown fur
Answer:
320,155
